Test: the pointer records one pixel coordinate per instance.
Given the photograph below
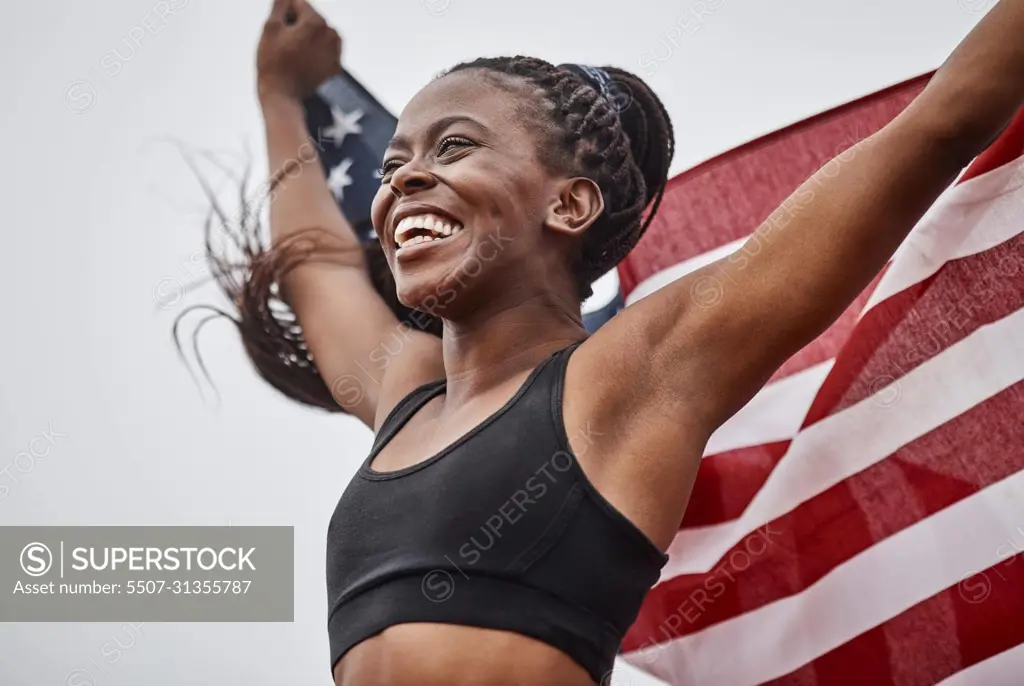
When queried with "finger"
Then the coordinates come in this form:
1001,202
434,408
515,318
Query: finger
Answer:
279,10
336,38
336,45
307,14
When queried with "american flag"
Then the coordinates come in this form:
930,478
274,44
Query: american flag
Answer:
351,130
861,520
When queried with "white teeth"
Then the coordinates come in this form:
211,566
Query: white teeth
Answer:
439,226
415,240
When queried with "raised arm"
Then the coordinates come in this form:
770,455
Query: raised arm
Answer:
345,322
810,259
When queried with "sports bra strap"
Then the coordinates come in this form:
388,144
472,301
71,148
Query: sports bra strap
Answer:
406,408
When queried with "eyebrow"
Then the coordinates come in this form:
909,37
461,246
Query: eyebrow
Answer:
436,128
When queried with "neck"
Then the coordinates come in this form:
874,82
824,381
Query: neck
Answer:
495,344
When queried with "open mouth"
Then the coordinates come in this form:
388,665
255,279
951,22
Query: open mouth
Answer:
425,228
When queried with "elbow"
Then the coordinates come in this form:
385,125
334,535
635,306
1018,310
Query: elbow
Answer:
959,121
965,140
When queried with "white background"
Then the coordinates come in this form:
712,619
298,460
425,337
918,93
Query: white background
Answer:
102,220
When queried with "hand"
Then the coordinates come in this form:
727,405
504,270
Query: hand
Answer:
297,52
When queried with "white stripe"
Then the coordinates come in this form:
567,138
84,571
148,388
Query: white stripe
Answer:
774,414
605,289
1004,669
681,269
969,218
965,374
626,674
934,554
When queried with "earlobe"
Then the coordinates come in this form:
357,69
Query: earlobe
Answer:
576,207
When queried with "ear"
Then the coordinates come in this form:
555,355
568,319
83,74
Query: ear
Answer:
578,205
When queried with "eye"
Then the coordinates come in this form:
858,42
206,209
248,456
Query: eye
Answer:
452,142
447,145
388,167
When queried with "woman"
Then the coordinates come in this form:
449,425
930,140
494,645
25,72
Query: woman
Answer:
526,479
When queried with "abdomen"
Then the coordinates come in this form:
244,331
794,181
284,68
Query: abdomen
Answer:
450,655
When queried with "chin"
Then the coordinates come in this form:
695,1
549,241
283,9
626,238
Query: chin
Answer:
442,289
426,292
448,278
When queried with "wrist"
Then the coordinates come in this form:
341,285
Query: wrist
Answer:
274,96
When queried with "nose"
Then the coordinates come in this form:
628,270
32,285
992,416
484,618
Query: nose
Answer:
410,178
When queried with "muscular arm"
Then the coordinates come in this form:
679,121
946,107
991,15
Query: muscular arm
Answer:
804,266
344,320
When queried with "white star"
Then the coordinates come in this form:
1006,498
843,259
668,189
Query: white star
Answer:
339,178
343,125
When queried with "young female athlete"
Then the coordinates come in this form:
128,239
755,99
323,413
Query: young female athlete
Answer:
526,478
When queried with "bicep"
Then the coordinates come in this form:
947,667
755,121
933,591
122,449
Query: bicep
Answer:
717,335
365,355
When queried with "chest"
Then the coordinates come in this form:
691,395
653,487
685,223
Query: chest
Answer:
425,436
483,503
434,429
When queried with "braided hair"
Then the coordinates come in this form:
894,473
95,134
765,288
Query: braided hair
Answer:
617,134
612,129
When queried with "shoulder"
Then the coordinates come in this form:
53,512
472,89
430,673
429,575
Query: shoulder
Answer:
625,370
638,443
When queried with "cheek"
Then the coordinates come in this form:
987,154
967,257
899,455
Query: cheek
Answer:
379,209
506,192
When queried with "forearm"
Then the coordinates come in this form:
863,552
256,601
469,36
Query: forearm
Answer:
980,86
301,198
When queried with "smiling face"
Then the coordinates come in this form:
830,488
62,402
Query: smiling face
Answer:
465,198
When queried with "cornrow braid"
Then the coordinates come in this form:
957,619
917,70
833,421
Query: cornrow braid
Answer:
620,137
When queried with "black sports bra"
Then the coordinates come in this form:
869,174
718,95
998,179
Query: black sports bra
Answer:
500,530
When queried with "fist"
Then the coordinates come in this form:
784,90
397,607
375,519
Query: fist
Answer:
298,51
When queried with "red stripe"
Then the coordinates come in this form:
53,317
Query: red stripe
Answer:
974,450
729,481
915,325
977,619
892,339
727,197
1008,147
